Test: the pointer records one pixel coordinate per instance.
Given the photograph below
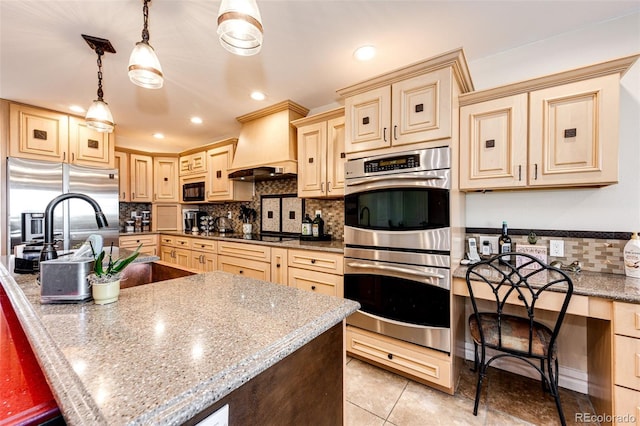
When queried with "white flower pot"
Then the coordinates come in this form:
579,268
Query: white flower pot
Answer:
104,293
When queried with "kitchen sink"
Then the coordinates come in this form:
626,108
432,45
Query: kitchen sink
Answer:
145,273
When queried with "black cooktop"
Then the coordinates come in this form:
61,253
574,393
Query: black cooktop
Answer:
261,237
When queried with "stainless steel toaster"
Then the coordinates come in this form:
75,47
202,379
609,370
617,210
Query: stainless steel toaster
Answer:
65,281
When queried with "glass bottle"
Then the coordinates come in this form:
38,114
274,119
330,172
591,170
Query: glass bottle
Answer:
504,243
306,226
317,227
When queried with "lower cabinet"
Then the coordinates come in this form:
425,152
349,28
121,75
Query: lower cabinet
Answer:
149,243
176,250
317,271
279,269
427,365
626,362
245,267
203,255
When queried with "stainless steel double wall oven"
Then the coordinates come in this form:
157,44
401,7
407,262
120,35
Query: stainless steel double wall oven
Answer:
397,245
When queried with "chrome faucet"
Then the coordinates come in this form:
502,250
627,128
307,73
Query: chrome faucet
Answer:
49,250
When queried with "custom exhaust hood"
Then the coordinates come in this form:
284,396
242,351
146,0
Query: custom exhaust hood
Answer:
267,146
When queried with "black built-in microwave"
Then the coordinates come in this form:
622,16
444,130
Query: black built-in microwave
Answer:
193,191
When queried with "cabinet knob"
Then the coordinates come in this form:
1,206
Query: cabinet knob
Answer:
277,265
313,287
390,356
313,261
241,271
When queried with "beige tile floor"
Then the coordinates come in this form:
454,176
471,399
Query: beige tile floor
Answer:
376,397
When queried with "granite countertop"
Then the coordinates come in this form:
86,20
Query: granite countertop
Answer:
595,284
165,351
335,246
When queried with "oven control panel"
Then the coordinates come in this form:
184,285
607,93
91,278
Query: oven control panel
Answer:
409,161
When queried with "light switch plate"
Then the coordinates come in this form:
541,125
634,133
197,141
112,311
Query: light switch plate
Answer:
556,248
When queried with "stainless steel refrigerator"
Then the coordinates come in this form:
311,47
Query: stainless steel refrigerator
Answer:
31,184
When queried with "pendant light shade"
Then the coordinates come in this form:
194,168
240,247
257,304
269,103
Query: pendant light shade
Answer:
98,115
144,66
240,27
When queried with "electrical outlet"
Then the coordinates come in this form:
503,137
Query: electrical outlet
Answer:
228,215
492,240
556,248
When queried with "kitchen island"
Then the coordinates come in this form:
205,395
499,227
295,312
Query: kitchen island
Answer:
174,351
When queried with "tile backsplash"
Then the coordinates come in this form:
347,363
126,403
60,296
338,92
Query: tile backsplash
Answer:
332,210
594,254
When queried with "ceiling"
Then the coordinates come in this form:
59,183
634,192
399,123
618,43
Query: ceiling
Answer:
306,56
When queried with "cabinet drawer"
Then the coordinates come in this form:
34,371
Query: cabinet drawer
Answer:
627,362
626,319
627,406
203,245
245,267
322,283
424,363
134,241
168,240
332,263
246,251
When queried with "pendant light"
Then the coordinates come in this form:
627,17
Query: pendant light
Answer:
144,66
240,27
98,115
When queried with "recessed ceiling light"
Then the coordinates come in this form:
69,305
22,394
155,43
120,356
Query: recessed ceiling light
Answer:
364,53
77,108
158,135
258,96
196,120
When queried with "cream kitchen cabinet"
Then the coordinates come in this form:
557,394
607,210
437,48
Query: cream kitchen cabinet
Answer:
317,271
42,134
626,363
218,185
121,162
203,255
321,154
193,163
279,268
555,131
149,243
248,260
412,105
165,179
176,250
141,178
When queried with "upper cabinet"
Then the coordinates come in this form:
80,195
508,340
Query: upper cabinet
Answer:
321,154
41,134
218,185
141,178
555,131
408,106
122,164
193,163
165,179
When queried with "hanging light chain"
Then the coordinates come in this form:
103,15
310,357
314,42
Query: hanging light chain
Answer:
100,52
145,29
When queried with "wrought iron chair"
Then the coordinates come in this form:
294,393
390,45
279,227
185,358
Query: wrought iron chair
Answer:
519,278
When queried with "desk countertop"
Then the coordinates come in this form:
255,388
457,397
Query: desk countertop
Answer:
594,284
165,351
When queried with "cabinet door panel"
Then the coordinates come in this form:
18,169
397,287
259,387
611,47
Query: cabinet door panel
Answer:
38,134
165,179
279,266
121,162
220,187
574,133
311,160
328,284
335,156
369,117
141,172
421,108
493,137
204,262
89,147
245,267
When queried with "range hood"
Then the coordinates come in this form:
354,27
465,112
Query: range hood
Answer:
267,146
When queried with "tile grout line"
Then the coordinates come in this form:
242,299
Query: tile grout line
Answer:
396,403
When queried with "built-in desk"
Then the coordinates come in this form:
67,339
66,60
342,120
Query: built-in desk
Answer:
611,304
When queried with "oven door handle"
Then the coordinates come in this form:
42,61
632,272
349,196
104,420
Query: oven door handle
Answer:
362,181
395,269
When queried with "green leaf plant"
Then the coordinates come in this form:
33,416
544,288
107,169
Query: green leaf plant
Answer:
114,267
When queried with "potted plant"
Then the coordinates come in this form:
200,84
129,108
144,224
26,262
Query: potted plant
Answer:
247,215
105,281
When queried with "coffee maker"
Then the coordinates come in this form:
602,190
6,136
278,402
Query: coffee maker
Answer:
192,219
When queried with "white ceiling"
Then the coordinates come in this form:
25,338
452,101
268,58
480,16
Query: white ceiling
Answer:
306,57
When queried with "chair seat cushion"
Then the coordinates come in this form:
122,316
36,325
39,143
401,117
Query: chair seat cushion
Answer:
515,334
